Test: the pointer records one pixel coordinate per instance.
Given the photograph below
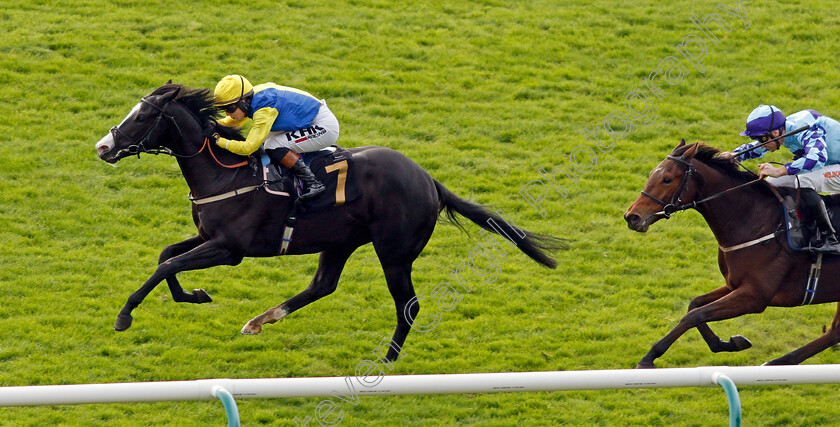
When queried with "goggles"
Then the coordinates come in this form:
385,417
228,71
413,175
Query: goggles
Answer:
763,138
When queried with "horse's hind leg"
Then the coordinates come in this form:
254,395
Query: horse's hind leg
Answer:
330,265
198,296
716,345
396,256
398,277
826,340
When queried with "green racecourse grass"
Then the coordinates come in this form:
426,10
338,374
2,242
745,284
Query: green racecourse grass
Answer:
482,94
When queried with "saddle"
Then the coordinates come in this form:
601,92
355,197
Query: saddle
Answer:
333,166
802,232
802,235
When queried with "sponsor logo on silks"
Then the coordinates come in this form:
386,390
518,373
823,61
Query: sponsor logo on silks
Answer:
301,135
832,174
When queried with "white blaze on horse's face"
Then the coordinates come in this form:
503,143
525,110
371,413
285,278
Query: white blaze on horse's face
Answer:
657,170
107,143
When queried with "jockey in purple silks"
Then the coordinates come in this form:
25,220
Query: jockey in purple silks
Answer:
816,165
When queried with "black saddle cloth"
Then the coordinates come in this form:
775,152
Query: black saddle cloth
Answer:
334,167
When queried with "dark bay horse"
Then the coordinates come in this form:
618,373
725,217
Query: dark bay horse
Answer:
755,259
397,211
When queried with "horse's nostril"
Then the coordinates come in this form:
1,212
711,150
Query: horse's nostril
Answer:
104,145
631,218
102,149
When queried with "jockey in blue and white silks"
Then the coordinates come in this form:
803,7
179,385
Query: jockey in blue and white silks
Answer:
815,148
816,166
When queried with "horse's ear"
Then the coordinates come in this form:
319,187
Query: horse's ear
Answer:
169,82
691,152
682,142
170,95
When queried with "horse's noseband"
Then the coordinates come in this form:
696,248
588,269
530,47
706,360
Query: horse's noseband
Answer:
675,205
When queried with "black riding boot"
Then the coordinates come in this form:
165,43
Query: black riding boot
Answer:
312,187
828,241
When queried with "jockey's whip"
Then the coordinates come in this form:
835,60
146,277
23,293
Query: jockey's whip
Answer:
793,132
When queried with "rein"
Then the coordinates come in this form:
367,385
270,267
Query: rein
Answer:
209,147
669,209
674,209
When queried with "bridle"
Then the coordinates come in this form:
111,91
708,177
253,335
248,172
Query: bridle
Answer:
140,147
676,204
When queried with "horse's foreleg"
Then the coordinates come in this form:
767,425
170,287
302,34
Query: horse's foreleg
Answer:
826,340
330,265
716,345
208,254
198,296
734,304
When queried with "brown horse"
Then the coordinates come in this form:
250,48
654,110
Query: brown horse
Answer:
755,259
397,211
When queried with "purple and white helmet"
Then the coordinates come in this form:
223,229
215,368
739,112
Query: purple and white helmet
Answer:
763,120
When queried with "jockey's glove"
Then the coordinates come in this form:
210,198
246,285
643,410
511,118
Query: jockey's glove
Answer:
210,131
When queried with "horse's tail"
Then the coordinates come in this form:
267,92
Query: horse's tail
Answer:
536,246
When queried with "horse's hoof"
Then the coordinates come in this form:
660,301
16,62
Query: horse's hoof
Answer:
645,365
740,342
201,296
249,329
123,322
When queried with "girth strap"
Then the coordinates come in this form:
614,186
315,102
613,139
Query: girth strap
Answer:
750,243
224,196
288,232
813,281
289,229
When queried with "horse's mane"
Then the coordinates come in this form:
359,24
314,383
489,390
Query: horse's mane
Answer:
200,102
708,155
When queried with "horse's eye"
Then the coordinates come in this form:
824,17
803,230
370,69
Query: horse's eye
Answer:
141,118
667,180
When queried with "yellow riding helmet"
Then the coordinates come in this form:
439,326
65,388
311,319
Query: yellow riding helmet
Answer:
231,89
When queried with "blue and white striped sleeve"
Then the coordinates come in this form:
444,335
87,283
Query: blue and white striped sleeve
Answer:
754,154
816,154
